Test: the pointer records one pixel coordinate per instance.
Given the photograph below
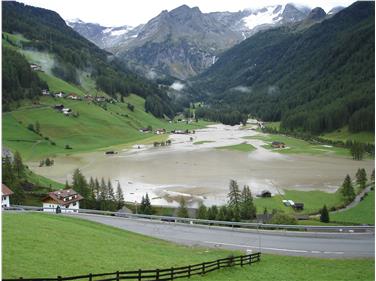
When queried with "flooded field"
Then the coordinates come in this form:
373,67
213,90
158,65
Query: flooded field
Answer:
201,172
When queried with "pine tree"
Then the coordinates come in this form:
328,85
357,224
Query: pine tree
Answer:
8,175
119,197
97,189
347,189
202,212
80,185
324,215
18,166
234,195
373,175
361,178
148,209
182,210
92,188
111,194
142,205
67,186
247,208
222,213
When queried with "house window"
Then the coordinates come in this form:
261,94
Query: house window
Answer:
74,204
4,198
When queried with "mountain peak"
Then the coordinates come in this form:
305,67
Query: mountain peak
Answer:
316,14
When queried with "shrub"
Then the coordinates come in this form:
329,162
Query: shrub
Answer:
282,218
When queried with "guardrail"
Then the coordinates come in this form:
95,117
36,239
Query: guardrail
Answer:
160,274
257,226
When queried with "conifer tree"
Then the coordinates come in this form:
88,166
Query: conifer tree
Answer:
202,212
347,189
182,210
324,215
119,197
361,178
247,208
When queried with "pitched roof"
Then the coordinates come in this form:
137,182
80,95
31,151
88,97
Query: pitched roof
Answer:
6,190
62,196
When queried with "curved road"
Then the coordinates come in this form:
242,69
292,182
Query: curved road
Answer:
333,245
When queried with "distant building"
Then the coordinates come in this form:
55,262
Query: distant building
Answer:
45,92
7,153
73,96
5,194
144,130
265,194
160,131
277,144
64,199
60,95
66,111
100,99
35,67
298,206
59,107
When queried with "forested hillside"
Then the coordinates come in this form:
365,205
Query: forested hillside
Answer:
46,31
316,79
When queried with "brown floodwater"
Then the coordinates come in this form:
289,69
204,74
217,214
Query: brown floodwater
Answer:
204,174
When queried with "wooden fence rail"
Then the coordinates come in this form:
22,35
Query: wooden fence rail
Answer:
165,274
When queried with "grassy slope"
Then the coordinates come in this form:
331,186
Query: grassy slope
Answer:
79,246
297,146
364,212
313,201
344,135
243,147
95,127
56,85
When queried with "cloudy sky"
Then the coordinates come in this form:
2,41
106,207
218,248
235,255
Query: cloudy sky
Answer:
127,12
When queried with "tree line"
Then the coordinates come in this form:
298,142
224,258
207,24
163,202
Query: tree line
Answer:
98,194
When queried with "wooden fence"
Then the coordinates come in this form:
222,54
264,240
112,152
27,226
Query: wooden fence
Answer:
159,274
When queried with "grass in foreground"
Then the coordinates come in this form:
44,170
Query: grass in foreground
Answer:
243,147
34,244
364,212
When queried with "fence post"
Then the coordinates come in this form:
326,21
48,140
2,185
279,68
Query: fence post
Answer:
90,277
218,264
189,271
59,278
241,261
172,273
139,274
117,276
157,274
203,268
250,259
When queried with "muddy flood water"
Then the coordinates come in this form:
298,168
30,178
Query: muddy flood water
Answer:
201,172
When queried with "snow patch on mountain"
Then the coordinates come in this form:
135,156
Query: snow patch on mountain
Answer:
267,15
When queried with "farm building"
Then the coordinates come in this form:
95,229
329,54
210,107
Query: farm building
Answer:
277,144
45,92
66,111
35,67
160,131
73,96
265,194
5,194
59,95
64,199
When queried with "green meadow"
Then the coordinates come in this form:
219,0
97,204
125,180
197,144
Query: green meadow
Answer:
53,240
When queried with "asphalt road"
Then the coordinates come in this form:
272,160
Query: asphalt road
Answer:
330,245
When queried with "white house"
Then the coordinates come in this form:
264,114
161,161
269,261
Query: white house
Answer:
5,193
64,199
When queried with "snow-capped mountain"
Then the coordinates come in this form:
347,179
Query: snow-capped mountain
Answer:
184,41
104,37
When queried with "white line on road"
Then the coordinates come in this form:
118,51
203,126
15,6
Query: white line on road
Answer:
273,249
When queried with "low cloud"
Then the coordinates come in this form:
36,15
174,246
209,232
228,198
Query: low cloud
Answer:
242,89
177,86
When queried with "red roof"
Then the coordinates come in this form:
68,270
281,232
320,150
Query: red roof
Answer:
6,190
64,196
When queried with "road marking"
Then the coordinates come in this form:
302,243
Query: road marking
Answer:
248,246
